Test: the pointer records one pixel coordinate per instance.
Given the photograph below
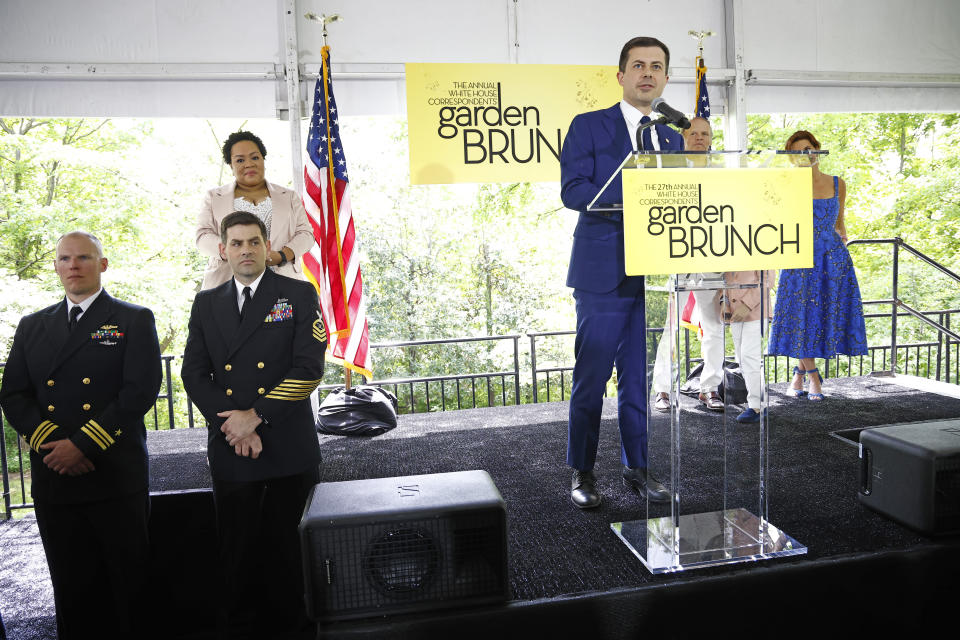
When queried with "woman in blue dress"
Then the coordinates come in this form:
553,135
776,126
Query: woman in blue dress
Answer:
818,313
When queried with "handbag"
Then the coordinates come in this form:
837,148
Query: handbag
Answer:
732,383
364,410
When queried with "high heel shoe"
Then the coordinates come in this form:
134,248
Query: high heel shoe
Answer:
816,396
799,393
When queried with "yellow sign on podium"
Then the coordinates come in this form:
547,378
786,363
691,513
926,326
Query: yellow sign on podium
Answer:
694,220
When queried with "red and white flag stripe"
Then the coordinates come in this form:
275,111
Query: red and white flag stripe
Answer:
333,265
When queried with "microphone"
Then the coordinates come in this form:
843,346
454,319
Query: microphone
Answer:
672,115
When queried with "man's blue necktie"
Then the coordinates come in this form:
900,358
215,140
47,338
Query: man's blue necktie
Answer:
644,139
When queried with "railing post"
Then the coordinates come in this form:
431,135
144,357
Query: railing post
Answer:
533,366
940,337
895,303
516,369
170,418
947,338
6,480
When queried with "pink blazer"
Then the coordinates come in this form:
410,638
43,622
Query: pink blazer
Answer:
290,228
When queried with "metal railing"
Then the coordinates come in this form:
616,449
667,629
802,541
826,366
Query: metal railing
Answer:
504,386
943,366
896,303
174,409
938,359
456,381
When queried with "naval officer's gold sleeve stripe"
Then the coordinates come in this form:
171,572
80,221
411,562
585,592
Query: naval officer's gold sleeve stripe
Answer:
295,381
295,387
36,432
276,396
282,392
100,430
40,434
87,430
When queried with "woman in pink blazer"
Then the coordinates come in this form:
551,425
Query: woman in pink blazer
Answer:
280,209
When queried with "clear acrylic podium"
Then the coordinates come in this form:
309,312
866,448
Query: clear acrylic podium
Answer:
716,469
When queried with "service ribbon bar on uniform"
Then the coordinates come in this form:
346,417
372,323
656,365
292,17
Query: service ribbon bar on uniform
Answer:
103,334
280,312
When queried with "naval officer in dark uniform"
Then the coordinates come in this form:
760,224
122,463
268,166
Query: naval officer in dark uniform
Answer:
254,354
79,379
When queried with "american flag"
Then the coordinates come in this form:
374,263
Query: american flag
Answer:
333,265
702,107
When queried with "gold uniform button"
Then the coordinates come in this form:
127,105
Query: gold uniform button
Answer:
50,408
229,392
261,390
86,381
227,367
259,365
86,407
49,383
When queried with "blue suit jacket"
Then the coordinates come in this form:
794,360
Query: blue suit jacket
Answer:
596,144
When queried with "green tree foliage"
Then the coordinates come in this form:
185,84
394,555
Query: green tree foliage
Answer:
63,174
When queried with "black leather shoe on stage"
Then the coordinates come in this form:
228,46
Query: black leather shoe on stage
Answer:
638,480
583,490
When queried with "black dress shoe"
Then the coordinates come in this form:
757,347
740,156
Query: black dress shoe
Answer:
638,480
583,490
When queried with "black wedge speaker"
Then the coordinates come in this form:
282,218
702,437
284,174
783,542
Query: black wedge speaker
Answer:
911,473
396,545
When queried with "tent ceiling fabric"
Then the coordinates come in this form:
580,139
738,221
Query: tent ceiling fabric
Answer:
172,57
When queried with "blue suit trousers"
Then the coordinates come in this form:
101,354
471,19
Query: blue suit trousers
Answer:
611,330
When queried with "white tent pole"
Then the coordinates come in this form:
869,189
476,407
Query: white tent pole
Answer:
292,73
735,124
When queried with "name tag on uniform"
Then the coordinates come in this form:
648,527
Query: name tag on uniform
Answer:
280,312
108,335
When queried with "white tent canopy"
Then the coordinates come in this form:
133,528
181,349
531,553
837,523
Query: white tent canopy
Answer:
209,58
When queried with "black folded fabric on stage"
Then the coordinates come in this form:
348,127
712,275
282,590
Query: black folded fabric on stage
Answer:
359,411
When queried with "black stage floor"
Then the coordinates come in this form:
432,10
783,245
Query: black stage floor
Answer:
568,573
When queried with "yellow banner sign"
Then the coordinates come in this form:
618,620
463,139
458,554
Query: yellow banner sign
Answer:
693,220
497,122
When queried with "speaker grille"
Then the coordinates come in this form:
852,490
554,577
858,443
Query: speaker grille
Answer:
374,568
401,562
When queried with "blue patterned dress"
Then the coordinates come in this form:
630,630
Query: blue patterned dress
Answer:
818,312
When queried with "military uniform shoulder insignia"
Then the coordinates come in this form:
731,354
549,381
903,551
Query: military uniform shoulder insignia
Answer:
319,330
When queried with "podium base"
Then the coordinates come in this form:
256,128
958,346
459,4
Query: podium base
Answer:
705,540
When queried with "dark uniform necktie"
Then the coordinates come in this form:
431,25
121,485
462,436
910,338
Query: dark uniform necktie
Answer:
74,315
644,139
246,300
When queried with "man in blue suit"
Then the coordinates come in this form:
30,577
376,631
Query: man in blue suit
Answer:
610,304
